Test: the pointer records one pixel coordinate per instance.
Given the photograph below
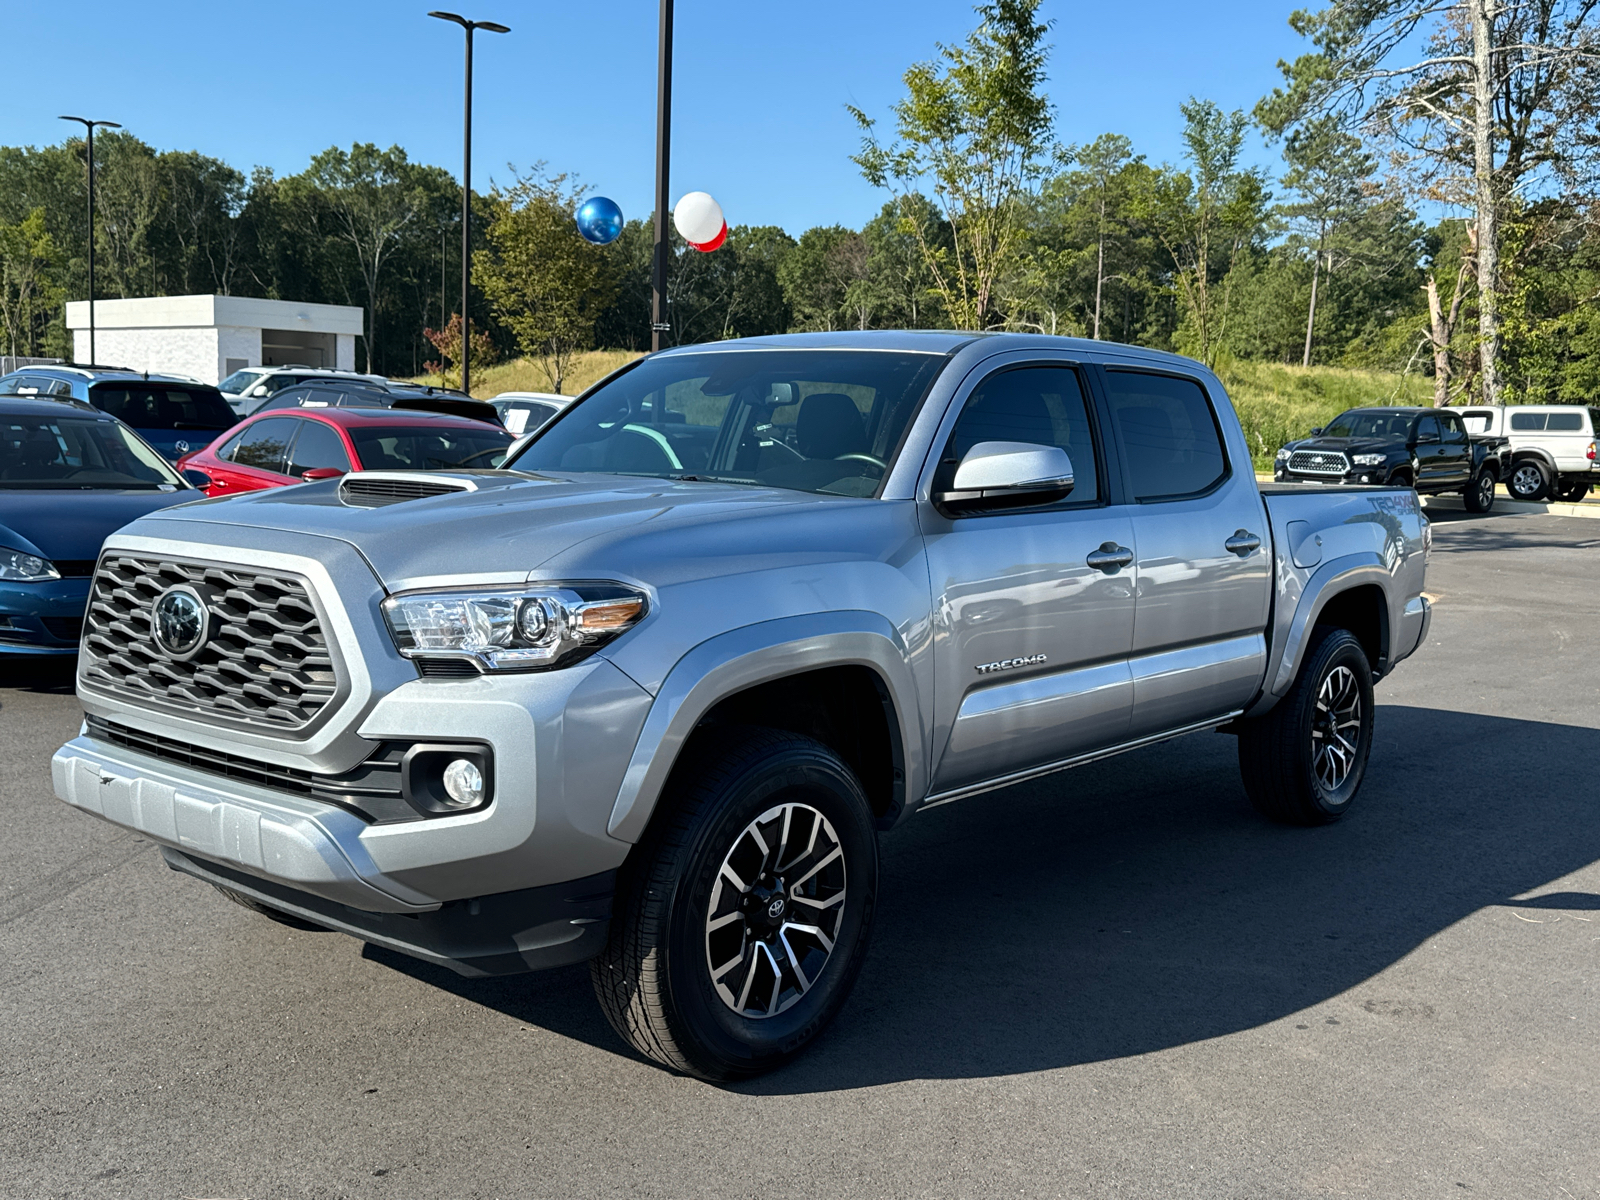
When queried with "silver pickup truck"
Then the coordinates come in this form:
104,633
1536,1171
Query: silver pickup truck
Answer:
647,695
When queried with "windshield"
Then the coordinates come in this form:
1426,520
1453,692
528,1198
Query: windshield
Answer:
1358,423
421,448
812,420
238,382
56,452
164,406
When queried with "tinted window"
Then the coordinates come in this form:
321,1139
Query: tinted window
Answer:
813,420
318,446
1427,429
265,443
46,452
228,447
1168,433
426,448
1453,431
524,416
1567,422
157,406
1527,421
27,385
1359,423
1043,405
239,381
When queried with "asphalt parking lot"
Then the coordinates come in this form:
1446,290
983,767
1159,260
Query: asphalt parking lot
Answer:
1112,982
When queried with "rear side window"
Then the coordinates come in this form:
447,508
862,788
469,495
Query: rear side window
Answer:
318,446
1567,422
1169,434
1527,422
152,406
1042,405
1477,420
1453,431
265,444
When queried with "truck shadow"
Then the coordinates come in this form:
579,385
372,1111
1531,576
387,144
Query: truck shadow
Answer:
1138,903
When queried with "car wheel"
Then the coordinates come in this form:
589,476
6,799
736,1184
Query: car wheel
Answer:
1303,761
1530,480
741,923
1573,493
1479,495
1399,479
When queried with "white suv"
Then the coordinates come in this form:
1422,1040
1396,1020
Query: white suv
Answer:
250,387
1552,447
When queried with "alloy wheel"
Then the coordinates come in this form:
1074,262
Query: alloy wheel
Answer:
776,908
1336,728
1527,480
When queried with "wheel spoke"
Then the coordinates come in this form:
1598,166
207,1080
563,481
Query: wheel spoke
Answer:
822,862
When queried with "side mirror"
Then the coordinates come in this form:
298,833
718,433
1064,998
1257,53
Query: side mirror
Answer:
1427,439
997,475
316,473
195,477
260,389
1317,432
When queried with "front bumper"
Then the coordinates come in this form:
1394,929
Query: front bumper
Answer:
1365,476
42,618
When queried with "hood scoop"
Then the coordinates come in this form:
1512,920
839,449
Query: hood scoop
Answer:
374,489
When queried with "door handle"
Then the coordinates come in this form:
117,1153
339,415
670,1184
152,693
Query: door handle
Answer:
1243,543
1110,558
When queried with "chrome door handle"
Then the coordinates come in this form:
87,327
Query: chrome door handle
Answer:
1243,543
1110,558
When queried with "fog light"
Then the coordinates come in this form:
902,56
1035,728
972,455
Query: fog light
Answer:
463,784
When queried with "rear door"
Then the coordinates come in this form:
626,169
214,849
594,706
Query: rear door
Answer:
1031,640
1200,529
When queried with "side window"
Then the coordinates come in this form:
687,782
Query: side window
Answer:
1427,429
1044,405
1527,422
264,445
1169,434
225,453
317,446
1567,422
1453,431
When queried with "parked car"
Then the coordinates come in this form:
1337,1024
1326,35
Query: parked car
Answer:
1552,447
247,389
69,475
1428,449
524,412
275,449
169,412
417,399
648,695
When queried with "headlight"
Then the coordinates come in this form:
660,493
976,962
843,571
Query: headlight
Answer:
1283,455
514,629
17,567
1367,460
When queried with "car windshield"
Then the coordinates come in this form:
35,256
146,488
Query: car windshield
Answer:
238,382
164,406
77,452
1358,423
425,448
812,420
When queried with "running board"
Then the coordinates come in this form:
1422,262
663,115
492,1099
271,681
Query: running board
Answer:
1065,764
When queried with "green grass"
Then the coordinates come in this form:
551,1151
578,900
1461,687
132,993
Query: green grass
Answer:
1277,403
524,375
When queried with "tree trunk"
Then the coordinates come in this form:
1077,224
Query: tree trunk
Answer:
1440,337
1311,310
1488,215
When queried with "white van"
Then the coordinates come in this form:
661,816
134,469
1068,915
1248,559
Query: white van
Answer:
1552,447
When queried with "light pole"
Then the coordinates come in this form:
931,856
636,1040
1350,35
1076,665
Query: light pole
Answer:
466,193
663,246
89,127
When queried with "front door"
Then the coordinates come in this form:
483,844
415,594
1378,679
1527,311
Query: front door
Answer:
1455,458
1430,454
1204,550
1032,659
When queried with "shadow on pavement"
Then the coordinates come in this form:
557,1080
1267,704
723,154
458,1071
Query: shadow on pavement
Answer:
53,676
1138,903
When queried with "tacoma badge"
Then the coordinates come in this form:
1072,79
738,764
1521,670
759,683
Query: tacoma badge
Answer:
1007,664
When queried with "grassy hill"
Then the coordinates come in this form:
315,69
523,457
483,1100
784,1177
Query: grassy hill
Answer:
1276,402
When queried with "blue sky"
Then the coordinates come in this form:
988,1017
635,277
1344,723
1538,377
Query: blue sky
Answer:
759,96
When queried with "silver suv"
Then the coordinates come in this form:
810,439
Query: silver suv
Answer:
648,696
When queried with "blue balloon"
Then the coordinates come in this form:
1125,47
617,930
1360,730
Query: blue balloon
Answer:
600,220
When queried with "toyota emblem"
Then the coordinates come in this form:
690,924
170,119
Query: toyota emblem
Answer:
775,909
178,622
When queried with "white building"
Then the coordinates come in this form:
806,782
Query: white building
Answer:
210,337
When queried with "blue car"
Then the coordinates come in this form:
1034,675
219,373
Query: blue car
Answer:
172,414
69,476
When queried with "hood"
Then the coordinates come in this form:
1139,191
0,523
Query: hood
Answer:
1345,445
516,524
70,524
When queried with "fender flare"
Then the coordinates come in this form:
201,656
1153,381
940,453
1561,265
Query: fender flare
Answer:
1330,580
759,653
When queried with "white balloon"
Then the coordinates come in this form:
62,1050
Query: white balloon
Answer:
698,217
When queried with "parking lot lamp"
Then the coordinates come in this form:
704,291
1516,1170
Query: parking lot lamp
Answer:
89,126
466,193
663,246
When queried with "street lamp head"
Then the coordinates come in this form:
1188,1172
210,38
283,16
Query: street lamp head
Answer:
448,16
88,124
492,27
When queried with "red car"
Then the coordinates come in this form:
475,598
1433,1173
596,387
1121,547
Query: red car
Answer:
274,449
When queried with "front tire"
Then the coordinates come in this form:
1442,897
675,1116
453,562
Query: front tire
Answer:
1479,496
741,925
1303,761
1530,480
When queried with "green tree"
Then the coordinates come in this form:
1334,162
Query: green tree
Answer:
974,132
28,287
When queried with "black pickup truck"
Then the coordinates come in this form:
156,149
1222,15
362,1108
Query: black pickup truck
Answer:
1425,448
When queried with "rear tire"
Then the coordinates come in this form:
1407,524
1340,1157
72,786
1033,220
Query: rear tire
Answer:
1303,762
1530,480
730,948
1573,493
1479,496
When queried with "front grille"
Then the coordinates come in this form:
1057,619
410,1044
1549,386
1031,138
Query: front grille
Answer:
265,662
371,790
447,668
375,493
68,629
1318,462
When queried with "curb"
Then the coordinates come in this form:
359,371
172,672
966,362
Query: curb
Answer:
1509,507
